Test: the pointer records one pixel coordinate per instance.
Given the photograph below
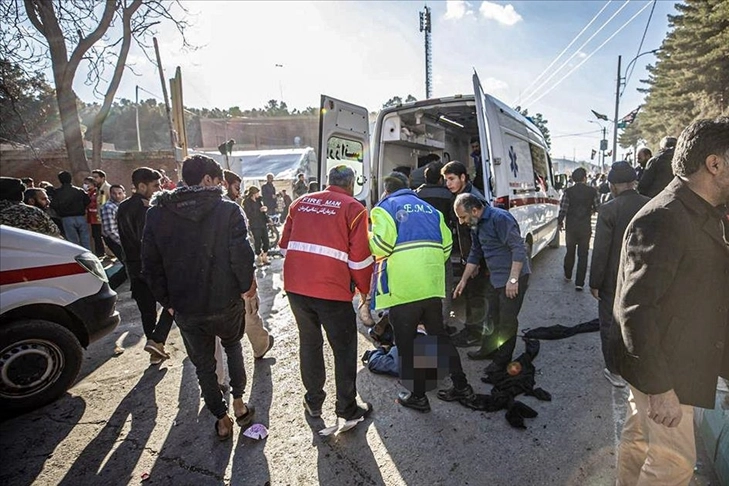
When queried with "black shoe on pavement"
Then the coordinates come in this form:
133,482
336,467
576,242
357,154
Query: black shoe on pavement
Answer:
408,400
360,412
313,412
451,330
452,394
465,339
480,354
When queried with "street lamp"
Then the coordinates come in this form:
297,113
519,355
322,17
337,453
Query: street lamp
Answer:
280,82
603,144
619,93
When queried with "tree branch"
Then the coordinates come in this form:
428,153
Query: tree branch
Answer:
85,44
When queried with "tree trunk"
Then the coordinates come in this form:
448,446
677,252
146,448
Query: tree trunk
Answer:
68,111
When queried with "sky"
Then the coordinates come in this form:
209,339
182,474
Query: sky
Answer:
367,52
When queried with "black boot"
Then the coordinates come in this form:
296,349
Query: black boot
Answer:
409,400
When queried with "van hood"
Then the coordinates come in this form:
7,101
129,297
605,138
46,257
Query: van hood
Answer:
189,202
21,248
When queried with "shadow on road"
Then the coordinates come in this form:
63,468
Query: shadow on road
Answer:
250,465
105,458
29,442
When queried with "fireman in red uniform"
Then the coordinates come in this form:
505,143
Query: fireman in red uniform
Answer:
327,258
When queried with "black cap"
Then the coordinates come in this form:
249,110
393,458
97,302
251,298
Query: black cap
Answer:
397,181
621,172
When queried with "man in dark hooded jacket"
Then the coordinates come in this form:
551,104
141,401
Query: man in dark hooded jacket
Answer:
198,263
658,172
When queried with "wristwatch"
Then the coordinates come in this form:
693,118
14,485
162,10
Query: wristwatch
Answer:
513,280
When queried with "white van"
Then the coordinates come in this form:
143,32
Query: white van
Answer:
516,167
54,300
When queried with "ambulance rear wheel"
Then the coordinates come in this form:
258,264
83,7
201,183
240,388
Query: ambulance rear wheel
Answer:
39,361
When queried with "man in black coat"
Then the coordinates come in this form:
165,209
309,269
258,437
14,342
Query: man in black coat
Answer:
575,209
658,172
672,307
130,220
199,264
435,193
612,220
70,204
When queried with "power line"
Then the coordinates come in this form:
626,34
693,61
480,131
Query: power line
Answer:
591,132
568,46
591,54
554,73
645,31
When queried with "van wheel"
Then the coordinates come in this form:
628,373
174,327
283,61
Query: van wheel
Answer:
555,241
39,361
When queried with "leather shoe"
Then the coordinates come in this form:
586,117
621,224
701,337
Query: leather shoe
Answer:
407,399
452,394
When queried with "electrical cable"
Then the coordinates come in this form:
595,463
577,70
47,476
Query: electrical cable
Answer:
568,46
645,31
591,54
577,134
554,73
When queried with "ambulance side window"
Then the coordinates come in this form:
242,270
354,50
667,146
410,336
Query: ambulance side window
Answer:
341,151
539,164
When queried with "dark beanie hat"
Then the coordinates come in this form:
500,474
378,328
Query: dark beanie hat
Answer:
11,189
621,172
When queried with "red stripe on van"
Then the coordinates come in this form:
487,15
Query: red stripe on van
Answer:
516,201
8,277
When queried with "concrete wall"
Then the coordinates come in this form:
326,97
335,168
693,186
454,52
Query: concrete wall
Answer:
117,165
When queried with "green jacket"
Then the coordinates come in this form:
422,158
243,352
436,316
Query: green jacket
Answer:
411,243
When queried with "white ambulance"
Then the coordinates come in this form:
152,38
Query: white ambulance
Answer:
517,171
54,300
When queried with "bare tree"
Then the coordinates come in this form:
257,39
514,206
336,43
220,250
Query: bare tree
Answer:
75,32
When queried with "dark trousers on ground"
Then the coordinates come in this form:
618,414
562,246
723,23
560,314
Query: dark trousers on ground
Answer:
580,241
605,313
339,322
260,239
475,294
121,275
154,329
504,313
98,241
405,319
198,335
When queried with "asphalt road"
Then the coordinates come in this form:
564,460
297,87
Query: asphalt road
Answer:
124,421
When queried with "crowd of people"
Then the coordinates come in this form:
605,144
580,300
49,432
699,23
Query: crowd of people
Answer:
659,270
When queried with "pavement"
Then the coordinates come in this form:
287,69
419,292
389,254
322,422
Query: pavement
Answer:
125,422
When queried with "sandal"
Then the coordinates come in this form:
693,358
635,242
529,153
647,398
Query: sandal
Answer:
246,419
230,431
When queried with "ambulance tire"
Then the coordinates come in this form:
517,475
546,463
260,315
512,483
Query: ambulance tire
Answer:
555,241
39,361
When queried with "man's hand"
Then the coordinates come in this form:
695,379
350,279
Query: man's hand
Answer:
665,409
459,288
251,292
595,293
512,289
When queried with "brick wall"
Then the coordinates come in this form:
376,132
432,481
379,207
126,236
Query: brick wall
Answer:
44,166
260,132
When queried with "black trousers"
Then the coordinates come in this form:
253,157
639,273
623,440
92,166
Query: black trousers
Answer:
198,335
405,319
155,329
98,241
580,241
504,313
260,239
340,324
605,313
121,275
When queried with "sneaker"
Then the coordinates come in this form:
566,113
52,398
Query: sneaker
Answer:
578,288
360,412
408,400
270,345
313,412
567,279
615,380
156,349
452,394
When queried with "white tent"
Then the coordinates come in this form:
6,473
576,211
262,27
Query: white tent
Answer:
284,164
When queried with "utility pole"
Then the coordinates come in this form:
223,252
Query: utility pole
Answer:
136,104
167,102
425,26
617,107
603,146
